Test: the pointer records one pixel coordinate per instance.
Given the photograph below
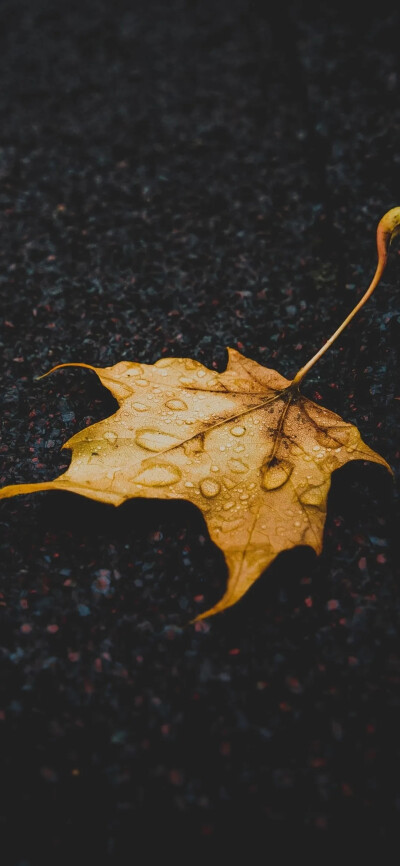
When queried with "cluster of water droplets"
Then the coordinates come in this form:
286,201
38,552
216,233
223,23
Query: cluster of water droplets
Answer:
183,395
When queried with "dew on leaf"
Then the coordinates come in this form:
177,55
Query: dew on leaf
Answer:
236,465
231,525
134,370
275,474
158,475
155,440
228,483
194,446
167,362
209,487
314,495
238,430
177,405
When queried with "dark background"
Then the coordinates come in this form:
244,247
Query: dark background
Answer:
178,177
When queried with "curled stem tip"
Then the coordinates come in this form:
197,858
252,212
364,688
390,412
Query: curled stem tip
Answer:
60,367
388,228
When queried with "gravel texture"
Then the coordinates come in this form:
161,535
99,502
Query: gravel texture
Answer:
176,178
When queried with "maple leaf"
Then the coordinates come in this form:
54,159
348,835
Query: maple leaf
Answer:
245,446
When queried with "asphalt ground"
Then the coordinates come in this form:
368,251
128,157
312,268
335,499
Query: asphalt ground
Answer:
174,179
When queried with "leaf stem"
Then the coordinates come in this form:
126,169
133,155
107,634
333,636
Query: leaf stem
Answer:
388,227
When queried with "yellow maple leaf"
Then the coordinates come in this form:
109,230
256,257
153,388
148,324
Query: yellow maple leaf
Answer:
245,446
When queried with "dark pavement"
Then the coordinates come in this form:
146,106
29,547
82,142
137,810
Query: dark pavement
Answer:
176,178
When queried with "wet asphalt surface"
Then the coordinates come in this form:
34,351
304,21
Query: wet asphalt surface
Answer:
175,179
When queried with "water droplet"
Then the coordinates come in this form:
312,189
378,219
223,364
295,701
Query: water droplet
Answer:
228,505
155,440
194,446
140,407
189,484
134,370
238,430
184,380
209,487
315,495
239,448
177,405
167,362
142,382
214,468
332,463
110,436
236,465
244,496
276,474
231,525
229,484
158,475
201,373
